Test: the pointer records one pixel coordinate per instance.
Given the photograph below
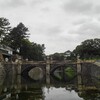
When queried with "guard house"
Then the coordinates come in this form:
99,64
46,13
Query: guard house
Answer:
6,51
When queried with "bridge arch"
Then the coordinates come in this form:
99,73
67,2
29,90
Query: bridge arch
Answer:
27,71
64,72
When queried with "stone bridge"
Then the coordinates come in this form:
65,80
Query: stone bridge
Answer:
47,67
43,68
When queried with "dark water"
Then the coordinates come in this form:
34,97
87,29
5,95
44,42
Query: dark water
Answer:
49,88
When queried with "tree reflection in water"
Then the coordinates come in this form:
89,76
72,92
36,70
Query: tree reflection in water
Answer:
18,88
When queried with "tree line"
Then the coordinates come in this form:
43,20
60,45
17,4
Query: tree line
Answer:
18,39
88,49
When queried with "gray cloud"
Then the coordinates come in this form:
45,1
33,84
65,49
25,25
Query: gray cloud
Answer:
90,29
35,3
79,6
38,1
54,30
83,20
59,29
11,3
60,44
97,9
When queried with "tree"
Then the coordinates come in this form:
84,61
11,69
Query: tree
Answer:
16,36
38,51
4,29
31,50
88,49
17,39
25,49
58,56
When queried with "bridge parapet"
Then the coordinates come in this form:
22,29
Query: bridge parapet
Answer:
88,61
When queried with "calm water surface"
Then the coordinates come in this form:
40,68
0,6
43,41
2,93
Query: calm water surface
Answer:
49,88
60,94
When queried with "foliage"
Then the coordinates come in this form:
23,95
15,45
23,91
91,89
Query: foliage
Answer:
4,28
89,49
17,39
31,50
58,56
17,35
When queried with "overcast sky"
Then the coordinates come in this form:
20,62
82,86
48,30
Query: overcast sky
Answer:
59,24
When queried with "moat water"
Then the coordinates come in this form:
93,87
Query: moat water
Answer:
49,88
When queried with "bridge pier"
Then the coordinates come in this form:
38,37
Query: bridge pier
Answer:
18,83
48,70
48,66
79,70
79,67
19,68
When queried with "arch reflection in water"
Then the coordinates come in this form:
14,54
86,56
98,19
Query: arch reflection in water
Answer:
64,73
20,89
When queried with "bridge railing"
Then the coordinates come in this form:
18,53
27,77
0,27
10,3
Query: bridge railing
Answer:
88,61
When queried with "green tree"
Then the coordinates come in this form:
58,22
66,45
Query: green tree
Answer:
31,50
16,36
25,49
58,56
38,51
17,39
4,29
88,49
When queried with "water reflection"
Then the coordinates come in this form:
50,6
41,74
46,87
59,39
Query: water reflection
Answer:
65,74
79,88
60,94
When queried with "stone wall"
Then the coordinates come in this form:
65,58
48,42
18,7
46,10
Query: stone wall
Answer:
2,74
90,69
10,69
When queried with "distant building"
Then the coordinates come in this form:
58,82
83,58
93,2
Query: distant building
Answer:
68,53
6,51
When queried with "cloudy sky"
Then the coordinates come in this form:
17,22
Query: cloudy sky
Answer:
59,24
